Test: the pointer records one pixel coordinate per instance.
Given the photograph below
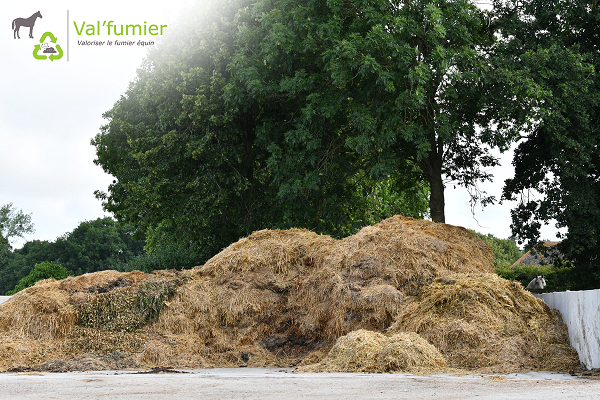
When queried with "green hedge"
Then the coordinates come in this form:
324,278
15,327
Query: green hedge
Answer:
558,278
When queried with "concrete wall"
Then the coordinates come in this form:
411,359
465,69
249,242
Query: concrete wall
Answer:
3,299
581,313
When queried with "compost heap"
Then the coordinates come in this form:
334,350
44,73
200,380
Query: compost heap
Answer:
402,295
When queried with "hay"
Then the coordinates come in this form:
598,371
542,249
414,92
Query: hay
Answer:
276,251
481,321
285,297
409,253
296,292
47,321
367,351
107,299
39,312
100,281
273,290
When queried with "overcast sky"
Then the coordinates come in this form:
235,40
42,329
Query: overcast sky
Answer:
50,110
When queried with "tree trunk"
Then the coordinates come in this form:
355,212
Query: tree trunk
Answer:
432,167
436,198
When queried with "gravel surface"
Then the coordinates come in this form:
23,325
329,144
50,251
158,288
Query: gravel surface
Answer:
275,383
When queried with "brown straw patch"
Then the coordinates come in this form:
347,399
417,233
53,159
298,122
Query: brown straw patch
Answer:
286,297
481,321
367,351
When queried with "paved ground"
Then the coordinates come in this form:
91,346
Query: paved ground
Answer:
273,383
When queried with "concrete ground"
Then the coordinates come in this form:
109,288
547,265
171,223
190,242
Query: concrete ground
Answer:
275,383
3,299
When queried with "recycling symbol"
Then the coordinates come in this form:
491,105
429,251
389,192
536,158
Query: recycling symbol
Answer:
55,54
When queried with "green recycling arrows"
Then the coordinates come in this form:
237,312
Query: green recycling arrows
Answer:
38,47
45,35
54,56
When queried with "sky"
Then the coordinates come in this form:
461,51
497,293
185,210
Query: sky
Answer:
50,110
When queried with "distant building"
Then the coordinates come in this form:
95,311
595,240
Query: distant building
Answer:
536,256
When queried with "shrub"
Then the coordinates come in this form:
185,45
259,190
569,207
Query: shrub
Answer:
43,270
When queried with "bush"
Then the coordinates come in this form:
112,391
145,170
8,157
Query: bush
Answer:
43,270
558,277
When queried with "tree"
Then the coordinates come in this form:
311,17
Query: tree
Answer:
13,224
92,246
96,245
178,181
20,262
388,85
277,113
44,270
551,48
505,251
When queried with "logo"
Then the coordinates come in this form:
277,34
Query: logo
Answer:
29,22
55,54
109,34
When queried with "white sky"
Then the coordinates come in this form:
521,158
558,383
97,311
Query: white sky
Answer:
49,112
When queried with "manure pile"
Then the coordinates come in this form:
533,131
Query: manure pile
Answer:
402,295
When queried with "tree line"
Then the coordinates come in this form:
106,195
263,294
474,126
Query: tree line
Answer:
104,243
92,246
331,115
279,113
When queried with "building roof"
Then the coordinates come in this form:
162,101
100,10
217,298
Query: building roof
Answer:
536,257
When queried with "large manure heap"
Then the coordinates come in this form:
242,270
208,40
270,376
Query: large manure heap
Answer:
402,295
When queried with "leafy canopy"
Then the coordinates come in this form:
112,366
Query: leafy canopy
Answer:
316,114
92,246
13,223
387,86
551,51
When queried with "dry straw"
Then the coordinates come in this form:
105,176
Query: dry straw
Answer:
481,321
47,320
367,351
40,312
299,291
284,297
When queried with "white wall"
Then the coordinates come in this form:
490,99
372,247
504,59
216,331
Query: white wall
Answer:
3,299
581,313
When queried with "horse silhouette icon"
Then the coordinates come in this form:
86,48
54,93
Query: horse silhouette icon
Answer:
29,22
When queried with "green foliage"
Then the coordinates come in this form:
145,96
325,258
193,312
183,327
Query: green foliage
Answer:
505,251
164,257
550,51
4,248
44,270
21,261
379,199
96,245
558,278
92,246
13,224
273,114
